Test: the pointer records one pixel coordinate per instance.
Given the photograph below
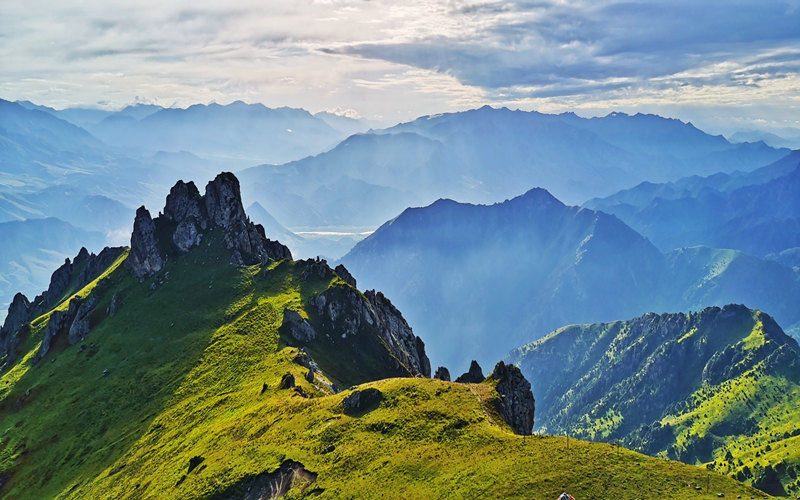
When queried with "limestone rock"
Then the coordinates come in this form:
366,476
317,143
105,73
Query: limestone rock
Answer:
473,376
186,236
442,373
144,259
58,325
362,400
516,404
223,201
315,269
343,273
346,311
80,325
184,201
297,326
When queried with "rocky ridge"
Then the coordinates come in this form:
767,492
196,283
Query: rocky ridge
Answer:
70,277
187,218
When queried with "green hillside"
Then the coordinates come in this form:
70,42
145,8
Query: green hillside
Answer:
187,363
720,387
172,372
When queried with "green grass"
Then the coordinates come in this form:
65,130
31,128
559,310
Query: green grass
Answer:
187,363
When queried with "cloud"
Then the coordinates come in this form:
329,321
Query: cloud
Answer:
394,59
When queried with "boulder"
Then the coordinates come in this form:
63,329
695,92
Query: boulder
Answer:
473,376
516,404
287,381
363,400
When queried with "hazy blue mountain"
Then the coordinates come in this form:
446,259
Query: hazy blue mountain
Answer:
31,249
757,212
71,204
787,138
343,124
239,133
486,154
81,117
477,280
365,180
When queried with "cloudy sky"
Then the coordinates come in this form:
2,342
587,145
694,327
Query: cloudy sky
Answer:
722,65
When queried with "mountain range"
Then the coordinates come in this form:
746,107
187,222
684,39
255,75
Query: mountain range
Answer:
716,387
485,155
498,276
756,212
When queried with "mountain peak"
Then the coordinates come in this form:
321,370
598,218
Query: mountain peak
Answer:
188,217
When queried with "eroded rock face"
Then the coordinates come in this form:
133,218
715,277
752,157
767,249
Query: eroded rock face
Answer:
516,405
57,326
145,259
346,308
473,376
184,201
80,325
272,484
223,201
186,236
297,326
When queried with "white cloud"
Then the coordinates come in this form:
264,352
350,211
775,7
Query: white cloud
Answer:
395,60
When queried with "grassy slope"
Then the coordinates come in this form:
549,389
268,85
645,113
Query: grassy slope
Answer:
738,427
186,366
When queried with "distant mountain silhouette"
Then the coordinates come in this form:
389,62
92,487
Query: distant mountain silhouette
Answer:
486,154
756,212
478,280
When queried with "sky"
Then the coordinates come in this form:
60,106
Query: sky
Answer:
722,65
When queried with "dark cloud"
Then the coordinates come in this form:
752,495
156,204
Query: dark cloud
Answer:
548,43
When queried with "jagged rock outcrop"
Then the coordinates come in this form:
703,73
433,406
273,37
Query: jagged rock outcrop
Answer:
145,258
184,202
67,279
346,310
315,269
516,404
442,373
343,273
297,326
188,216
57,326
19,315
473,376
